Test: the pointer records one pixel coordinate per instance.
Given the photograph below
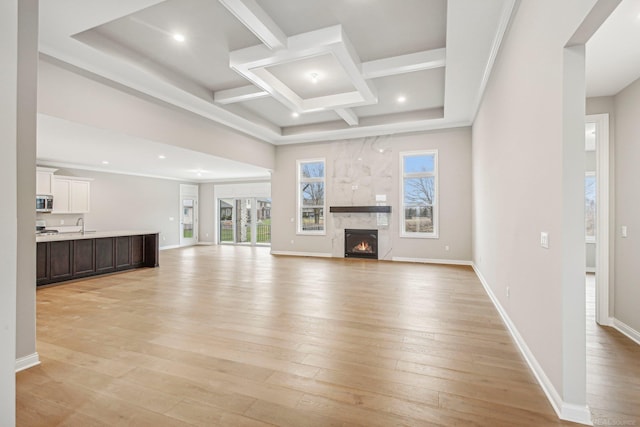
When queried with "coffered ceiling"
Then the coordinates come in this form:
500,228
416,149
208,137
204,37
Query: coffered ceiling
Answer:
290,71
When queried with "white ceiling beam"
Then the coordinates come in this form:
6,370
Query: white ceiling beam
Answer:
418,61
257,21
253,63
348,116
239,94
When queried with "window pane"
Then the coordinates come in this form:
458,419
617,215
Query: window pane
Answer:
590,205
312,170
419,191
419,163
312,193
418,219
187,218
312,219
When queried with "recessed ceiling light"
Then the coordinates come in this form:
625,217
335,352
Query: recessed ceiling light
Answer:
401,99
105,162
162,156
314,77
179,37
295,115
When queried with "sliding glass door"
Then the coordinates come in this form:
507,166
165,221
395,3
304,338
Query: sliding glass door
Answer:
245,221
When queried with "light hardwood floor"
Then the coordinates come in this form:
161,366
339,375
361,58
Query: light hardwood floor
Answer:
613,371
223,335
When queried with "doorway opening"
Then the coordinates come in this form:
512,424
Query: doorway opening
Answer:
245,221
597,210
188,214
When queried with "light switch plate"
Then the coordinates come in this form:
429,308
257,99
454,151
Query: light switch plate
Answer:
544,239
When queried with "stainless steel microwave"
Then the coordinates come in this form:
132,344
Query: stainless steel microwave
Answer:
44,203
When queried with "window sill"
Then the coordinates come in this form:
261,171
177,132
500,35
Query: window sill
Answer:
419,236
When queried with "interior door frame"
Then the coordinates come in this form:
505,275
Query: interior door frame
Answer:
603,243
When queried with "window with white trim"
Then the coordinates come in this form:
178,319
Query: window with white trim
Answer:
590,206
311,200
419,194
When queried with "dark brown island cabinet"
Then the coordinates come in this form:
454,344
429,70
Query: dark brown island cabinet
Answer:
61,260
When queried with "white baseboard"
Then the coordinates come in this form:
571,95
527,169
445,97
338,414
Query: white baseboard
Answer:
432,261
566,411
310,254
626,330
164,248
205,243
400,259
27,362
590,269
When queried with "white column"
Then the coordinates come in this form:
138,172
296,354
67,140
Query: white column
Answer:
18,85
574,359
26,182
8,207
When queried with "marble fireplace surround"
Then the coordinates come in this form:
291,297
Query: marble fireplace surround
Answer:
361,175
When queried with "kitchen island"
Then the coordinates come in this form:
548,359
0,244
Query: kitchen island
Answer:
68,256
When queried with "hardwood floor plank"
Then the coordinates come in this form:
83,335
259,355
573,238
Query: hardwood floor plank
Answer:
232,336
613,371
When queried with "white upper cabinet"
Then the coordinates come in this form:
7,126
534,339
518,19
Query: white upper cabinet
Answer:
71,194
44,180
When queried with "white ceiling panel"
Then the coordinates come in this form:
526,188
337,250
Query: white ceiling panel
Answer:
246,64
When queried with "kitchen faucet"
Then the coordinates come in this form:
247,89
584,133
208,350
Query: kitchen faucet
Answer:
78,223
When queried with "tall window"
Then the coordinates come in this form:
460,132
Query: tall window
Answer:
311,202
590,206
419,194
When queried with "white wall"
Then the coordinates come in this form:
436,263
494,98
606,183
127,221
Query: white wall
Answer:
627,206
71,94
18,29
528,175
26,161
373,165
207,213
128,202
8,209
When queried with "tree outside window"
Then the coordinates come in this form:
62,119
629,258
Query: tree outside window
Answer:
311,202
419,194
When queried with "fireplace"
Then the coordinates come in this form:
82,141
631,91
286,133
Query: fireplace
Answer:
361,243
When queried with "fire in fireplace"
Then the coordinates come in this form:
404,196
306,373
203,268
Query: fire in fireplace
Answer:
360,243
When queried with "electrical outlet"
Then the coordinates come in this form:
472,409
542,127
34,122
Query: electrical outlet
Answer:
508,292
62,222
446,248
292,242
623,231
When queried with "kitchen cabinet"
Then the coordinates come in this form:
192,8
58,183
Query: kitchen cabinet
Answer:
61,260
71,194
44,180
61,265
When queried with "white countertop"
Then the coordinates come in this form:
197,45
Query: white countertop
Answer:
91,234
